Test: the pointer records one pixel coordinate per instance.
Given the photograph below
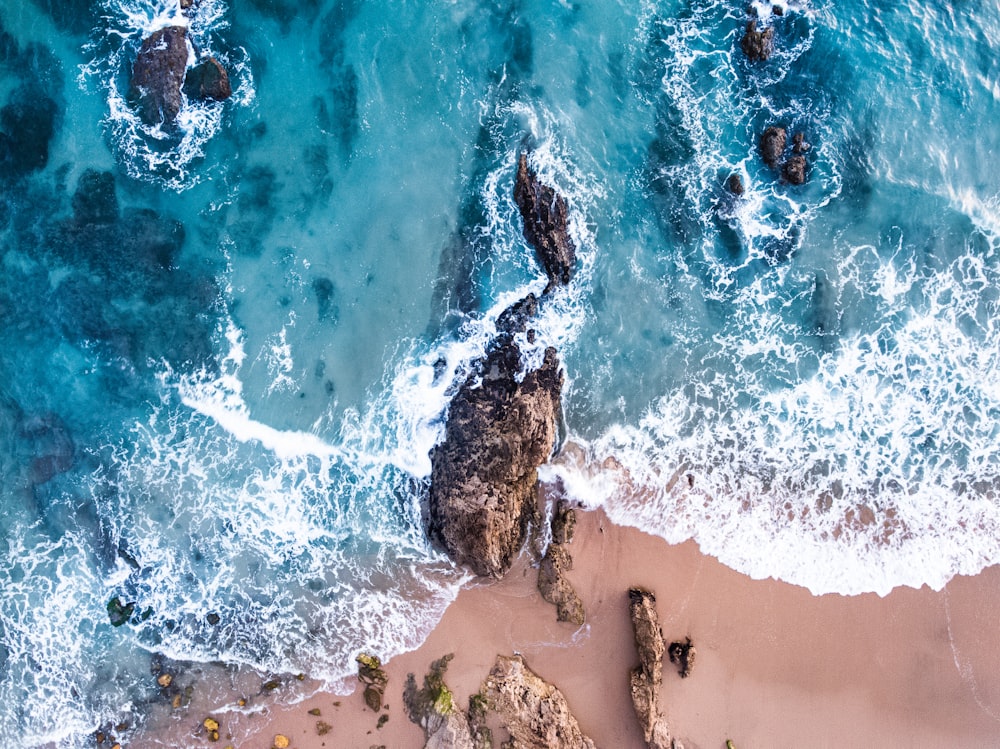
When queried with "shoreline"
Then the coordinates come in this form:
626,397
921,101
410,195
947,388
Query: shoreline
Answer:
776,666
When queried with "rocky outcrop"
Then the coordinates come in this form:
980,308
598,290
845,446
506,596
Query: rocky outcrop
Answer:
735,185
794,170
484,473
546,224
158,74
553,584
682,654
757,45
433,708
645,681
207,81
534,712
556,588
772,145
563,523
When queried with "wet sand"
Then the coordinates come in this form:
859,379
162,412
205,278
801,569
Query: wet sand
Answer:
776,666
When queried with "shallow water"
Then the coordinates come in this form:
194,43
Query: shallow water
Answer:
229,349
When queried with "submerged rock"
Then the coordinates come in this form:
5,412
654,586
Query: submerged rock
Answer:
645,680
757,45
484,473
772,145
546,224
534,712
208,81
158,74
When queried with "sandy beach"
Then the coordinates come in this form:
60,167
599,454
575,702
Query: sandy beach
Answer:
776,666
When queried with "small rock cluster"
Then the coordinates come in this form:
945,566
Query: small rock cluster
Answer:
161,73
772,149
758,45
374,678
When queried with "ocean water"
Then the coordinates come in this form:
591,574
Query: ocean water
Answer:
228,349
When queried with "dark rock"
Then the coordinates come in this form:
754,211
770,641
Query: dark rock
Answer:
119,612
735,184
546,224
158,74
556,589
95,201
213,618
516,318
534,712
794,170
484,473
772,145
28,123
207,81
757,45
799,144
646,680
185,4
682,654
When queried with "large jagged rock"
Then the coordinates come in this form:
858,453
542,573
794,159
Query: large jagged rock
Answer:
158,74
534,712
433,708
484,473
772,145
556,588
546,224
757,45
646,680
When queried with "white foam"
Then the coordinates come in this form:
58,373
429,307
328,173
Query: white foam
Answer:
877,470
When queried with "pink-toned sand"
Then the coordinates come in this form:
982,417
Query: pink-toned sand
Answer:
776,666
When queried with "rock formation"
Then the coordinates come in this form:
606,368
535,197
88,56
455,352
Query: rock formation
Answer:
158,74
772,145
546,224
374,678
533,711
735,185
757,45
433,708
207,81
483,475
556,588
794,170
645,681
553,584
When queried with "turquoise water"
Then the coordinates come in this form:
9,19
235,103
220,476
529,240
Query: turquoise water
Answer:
228,351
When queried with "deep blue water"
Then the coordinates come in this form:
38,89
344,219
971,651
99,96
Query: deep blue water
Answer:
228,351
